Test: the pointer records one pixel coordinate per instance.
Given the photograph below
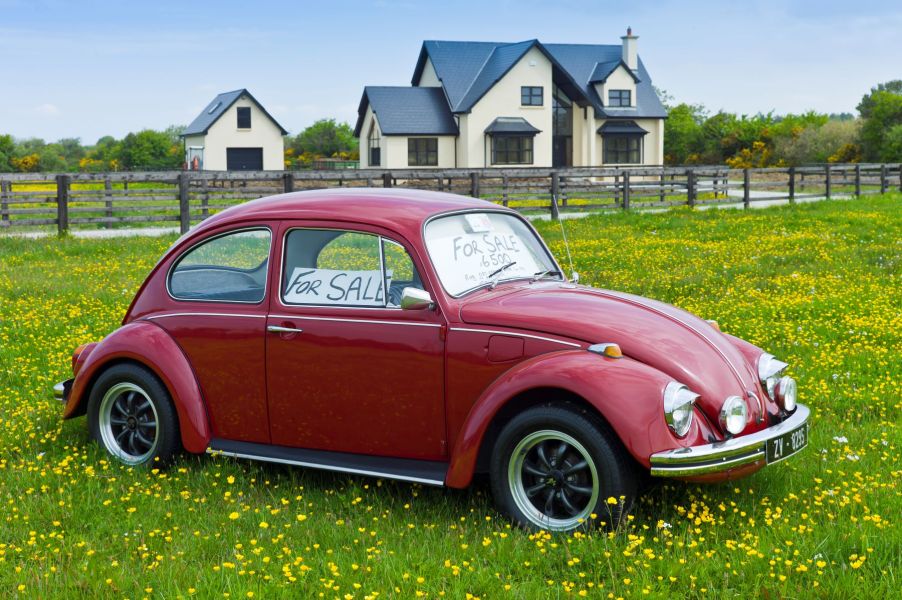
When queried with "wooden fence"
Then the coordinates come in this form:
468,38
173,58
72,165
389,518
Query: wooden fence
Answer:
40,201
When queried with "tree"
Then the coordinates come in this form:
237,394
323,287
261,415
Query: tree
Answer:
892,147
683,133
325,138
834,141
867,101
884,112
7,148
149,149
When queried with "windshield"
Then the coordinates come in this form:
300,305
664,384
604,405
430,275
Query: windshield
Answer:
475,249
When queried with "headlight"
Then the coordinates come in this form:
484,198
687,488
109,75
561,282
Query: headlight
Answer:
786,391
769,371
678,401
733,415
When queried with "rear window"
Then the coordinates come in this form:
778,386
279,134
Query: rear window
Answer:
227,268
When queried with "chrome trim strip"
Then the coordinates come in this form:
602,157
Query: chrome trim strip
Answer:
685,324
347,320
312,465
280,329
726,454
201,314
515,333
59,390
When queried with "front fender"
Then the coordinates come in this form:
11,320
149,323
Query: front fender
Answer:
148,344
626,393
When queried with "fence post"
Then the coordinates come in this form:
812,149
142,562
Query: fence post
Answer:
827,182
883,185
62,203
900,177
663,182
505,186
690,187
746,188
184,214
474,184
858,180
288,182
792,185
108,193
4,207
555,188
386,180
626,190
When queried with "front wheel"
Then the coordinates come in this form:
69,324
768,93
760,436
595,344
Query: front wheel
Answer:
554,468
131,415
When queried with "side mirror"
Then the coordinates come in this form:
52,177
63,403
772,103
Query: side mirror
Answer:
415,299
575,277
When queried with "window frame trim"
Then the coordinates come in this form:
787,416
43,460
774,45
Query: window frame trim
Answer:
379,236
621,91
640,149
426,152
184,253
532,149
531,95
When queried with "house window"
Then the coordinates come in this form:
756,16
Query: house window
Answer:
531,95
244,117
375,146
422,152
622,149
620,98
511,150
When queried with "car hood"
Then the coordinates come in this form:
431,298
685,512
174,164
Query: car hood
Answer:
671,340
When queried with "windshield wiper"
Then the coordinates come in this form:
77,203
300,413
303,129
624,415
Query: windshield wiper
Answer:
493,276
541,274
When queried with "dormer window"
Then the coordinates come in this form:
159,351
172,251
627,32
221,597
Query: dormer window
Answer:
244,117
620,98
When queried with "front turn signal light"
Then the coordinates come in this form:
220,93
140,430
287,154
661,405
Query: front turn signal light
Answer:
609,350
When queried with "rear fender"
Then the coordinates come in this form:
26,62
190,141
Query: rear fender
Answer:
626,393
147,344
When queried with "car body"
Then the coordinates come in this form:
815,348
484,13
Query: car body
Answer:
425,336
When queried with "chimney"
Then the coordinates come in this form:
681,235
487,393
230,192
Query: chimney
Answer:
630,56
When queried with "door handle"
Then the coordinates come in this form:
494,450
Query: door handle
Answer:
280,329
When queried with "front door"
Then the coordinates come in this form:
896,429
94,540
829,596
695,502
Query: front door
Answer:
347,369
244,159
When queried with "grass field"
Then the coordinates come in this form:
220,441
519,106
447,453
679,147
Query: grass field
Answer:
818,285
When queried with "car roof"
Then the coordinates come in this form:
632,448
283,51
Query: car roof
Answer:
403,210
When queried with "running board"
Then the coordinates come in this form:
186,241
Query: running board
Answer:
404,469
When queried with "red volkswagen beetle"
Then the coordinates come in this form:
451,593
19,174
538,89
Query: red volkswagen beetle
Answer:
425,337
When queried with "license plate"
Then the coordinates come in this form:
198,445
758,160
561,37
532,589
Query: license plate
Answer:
787,444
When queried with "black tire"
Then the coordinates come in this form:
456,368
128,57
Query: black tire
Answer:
537,473
131,415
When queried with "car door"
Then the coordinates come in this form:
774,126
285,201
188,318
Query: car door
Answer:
347,369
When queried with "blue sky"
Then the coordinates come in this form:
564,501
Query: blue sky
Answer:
91,68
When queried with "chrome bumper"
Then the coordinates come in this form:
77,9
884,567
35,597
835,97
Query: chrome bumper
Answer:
728,454
61,390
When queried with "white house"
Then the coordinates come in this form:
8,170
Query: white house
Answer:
486,104
234,133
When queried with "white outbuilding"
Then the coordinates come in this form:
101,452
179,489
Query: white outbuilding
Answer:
234,133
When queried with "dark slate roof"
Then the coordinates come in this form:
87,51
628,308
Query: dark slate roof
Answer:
512,125
221,103
457,65
407,111
603,70
581,62
621,128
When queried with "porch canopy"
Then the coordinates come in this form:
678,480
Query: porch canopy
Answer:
511,126
621,128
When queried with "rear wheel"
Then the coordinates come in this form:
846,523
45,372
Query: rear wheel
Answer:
131,415
554,468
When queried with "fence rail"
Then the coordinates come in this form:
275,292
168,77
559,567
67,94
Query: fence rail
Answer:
40,200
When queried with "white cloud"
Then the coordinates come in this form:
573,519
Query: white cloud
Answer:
47,110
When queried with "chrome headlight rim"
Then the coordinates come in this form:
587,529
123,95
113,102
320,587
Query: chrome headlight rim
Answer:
786,393
734,415
770,370
679,402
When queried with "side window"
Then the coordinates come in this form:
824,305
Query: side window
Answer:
244,117
227,268
344,268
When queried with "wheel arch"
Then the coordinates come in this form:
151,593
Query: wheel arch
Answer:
621,394
149,346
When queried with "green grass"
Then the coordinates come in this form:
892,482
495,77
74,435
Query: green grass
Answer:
817,284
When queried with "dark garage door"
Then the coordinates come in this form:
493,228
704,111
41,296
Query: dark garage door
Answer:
244,159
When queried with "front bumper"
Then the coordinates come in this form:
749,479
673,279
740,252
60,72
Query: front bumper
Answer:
734,453
61,390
